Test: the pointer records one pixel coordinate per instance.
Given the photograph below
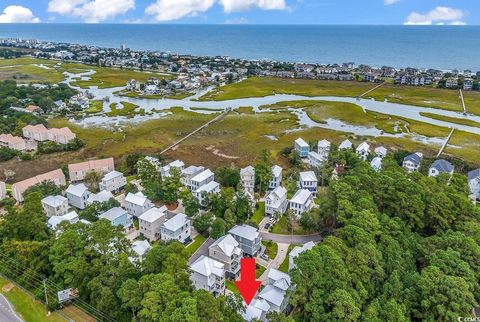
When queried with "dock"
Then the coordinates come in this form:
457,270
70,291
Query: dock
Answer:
371,90
444,145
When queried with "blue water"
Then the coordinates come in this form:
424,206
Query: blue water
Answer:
441,47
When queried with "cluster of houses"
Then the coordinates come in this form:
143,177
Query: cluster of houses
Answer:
32,134
183,83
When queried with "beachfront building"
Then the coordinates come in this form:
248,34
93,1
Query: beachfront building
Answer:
247,178
137,203
55,205
301,147
276,180
150,223
113,181
227,251
440,166
77,195
209,275
118,217
56,176
206,190
308,181
276,202
301,202
363,151
412,162
78,171
177,228
248,239
296,251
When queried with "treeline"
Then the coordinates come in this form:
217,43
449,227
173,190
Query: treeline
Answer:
405,247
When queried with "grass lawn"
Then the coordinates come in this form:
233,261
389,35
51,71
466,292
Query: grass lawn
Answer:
29,309
271,249
192,247
281,227
259,213
284,266
96,106
259,270
451,119
128,109
231,286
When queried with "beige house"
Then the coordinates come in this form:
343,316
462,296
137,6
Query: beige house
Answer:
55,176
61,136
55,205
150,223
40,133
12,142
77,171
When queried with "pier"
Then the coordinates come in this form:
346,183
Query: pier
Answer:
215,119
446,142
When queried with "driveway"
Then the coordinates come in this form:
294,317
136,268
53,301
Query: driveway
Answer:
202,250
7,312
277,261
291,239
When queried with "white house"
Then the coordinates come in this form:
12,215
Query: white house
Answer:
118,217
256,311
206,190
275,291
113,181
140,248
227,251
177,164
440,166
55,205
77,195
137,204
412,162
276,201
54,221
190,172
301,202
209,275
3,190
302,147
345,145
248,239
308,181
276,180
296,251
247,177
150,223
201,179
102,196
177,228
381,152
323,148
376,164
474,183
363,150
315,159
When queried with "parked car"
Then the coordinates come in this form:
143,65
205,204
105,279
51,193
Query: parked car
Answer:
265,257
267,226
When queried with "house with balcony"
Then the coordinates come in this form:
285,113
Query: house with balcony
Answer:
190,172
118,217
315,160
276,202
56,177
440,166
302,148
78,171
276,180
201,179
206,190
308,181
301,202
227,251
113,181
177,228
150,223
177,164
247,178
363,151
323,148
77,195
248,239
55,205
412,162
137,203
275,293
209,275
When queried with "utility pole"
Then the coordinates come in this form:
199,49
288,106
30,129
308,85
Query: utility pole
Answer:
45,290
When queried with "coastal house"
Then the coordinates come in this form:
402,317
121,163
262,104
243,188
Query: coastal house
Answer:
276,290
301,202
345,145
376,164
190,172
209,275
276,202
12,142
3,190
201,179
118,217
451,82
55,176
363,150
100,197
248,239
315,159
140,248
474,183
77,195
177,228
323,148
37,132
177,164
380,152
276,180
301,147
296,251
440,166
227,251
308,181
206,190
54,221
137,203
55,205
412,162
113,181
256,311
61,136
150,223
247,178
77,171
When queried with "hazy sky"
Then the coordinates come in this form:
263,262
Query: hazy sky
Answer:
372,12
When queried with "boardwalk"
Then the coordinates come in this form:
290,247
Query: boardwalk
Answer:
463,103
446,142
218,117
371,90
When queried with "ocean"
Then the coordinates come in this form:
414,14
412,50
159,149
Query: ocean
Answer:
440,47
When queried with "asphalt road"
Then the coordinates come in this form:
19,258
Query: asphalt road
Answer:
7,312
291,239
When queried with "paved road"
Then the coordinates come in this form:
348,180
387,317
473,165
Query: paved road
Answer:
277,261
291,239
7,312
202,250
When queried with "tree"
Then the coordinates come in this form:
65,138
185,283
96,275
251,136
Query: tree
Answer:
131,296
218,228
203,222
263,171
92,180
171,186
190,203
228,177
147,171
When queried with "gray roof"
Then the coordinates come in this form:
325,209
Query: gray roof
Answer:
474,174
113,214
176,222
245,231
415,158
77,190
442,166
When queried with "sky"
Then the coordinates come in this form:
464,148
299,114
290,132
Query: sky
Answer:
352,12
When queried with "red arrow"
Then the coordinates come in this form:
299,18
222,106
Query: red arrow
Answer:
247,285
